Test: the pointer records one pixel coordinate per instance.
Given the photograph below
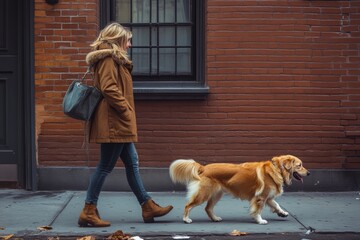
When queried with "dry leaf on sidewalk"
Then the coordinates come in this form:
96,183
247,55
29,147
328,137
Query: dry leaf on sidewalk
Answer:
44,228
119,235
237,233
86,238
6,237
2,228
53,238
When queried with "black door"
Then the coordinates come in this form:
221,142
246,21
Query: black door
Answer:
11,90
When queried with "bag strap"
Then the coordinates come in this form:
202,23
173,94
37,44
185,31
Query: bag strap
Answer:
88,70
87,123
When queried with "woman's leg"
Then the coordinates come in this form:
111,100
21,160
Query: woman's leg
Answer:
109,155
149,208
131,161
90,214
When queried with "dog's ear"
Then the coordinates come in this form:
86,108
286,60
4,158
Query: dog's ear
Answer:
288,163
278,160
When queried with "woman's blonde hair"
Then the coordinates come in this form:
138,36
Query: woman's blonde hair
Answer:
116,36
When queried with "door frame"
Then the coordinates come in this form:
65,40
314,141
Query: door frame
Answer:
27,167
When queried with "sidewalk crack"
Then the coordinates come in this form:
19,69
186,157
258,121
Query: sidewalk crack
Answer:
308,228
62,209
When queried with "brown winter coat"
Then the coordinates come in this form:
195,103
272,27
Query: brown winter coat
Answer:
114,120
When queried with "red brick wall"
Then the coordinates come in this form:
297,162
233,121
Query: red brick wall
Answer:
283,77
63,33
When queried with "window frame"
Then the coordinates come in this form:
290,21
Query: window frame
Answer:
194,89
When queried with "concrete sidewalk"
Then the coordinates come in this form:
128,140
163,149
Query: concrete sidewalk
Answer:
22,212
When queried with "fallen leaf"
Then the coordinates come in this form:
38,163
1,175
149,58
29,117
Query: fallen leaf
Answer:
6,237
237,233
2,228
119,235
53,238
86,238
44,228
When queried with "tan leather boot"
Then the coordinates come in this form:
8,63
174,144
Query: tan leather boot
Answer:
89,217
150,210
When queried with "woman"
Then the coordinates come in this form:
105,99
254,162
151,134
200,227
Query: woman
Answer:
114,124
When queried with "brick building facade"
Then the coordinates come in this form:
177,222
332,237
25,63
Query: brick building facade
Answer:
283,78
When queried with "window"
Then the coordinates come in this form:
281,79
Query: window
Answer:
167,45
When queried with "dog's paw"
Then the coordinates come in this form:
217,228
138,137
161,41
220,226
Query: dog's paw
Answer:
262,222
283,214
216,219
187,220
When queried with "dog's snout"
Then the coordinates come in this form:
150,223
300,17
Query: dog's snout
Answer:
308,173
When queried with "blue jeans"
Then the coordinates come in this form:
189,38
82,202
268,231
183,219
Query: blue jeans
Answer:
110,152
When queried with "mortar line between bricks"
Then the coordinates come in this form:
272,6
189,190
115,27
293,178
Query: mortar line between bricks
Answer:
62,209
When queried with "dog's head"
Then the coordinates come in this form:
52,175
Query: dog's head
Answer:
291,167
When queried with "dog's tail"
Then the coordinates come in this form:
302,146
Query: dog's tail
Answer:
184,171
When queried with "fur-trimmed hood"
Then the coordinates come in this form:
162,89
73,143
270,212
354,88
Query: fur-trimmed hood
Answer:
104,52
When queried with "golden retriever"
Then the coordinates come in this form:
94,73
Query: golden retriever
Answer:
257,182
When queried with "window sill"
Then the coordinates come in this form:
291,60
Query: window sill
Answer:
171,93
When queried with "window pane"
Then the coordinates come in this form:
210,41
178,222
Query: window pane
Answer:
166,11
140,58
167,61
154,36
140,36
122,11
166,36
184,36
154,11
184,61
183,11
154,61
140,11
